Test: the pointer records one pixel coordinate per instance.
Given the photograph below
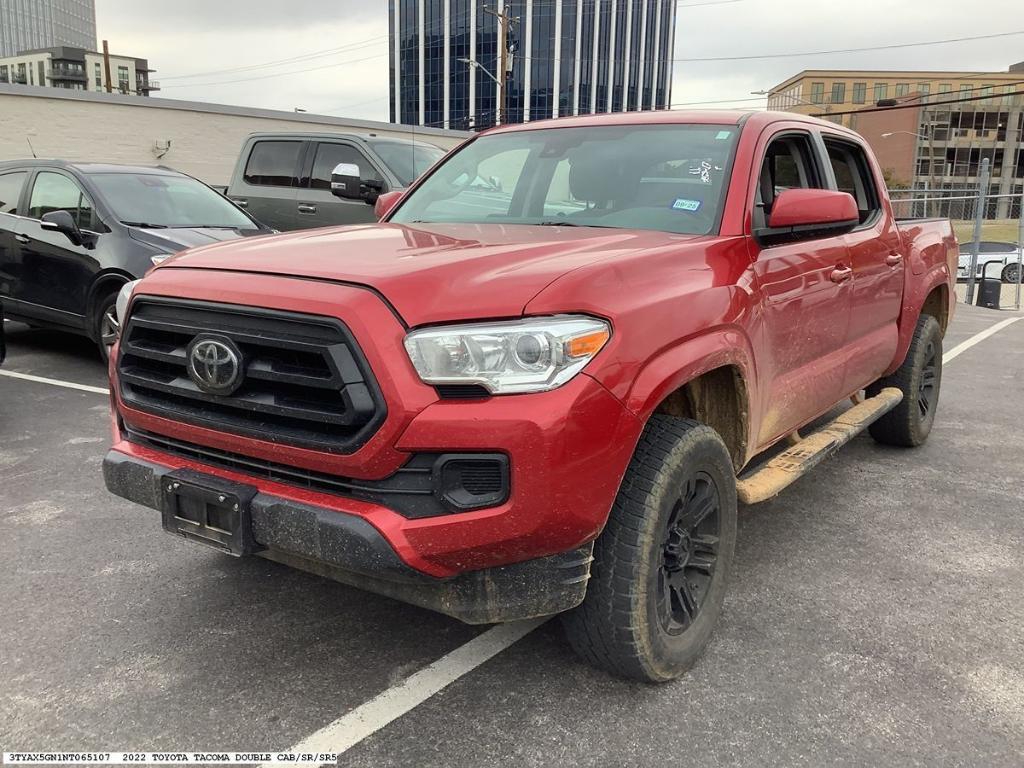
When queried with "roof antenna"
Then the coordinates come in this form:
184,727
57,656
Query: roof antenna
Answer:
36,157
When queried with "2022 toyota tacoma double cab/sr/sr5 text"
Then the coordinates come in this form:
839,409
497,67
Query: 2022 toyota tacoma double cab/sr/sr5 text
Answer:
543,382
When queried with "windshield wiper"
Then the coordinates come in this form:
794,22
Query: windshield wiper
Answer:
144,225
572,224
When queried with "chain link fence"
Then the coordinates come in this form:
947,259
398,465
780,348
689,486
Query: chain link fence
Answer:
990,229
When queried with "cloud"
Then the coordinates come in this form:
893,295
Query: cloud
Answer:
198,36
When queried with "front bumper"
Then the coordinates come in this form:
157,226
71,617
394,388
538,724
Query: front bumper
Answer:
348,549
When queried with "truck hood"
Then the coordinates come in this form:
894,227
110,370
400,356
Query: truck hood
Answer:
433,272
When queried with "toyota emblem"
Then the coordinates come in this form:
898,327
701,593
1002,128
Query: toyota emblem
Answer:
215,365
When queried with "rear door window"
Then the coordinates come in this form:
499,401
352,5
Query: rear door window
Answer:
10,190
328,155
273,164
853,175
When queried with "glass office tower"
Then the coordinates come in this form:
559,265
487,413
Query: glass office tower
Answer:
569,57
26,25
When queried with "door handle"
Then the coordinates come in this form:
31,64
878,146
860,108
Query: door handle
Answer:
840,274
240,203
893,259
23,239
306,208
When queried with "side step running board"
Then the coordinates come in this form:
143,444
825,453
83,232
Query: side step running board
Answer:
790,465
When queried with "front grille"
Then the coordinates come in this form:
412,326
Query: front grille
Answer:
305,381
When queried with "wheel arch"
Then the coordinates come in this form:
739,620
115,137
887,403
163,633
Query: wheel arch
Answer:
708,379
930,294
102,285
936,304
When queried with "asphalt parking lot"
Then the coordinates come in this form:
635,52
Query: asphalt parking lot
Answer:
875,616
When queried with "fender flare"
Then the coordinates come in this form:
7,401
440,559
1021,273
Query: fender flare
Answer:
913,303
688,359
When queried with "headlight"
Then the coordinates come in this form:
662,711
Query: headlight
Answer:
121,306
156,259
530,355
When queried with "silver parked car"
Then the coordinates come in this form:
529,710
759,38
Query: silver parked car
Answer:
994,258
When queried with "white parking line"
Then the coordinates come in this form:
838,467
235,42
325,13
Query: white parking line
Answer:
55,382
962,347
366,719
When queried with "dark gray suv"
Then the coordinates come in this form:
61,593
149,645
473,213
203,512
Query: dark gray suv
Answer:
284,179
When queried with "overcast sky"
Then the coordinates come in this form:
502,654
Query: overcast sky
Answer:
187,37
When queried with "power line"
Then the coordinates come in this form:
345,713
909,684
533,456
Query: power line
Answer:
854,50
292,60
277,74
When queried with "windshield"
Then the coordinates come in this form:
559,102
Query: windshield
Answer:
663,177
407,161
158,200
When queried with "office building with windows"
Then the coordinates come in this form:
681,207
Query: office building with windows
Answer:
933,129
78,70
30,24
566,57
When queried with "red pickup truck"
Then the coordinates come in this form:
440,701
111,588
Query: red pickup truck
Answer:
545,380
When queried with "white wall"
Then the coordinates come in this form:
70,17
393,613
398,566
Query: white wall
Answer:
205,139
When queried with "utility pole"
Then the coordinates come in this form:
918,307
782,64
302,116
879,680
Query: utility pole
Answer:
979,216
106,65
504,23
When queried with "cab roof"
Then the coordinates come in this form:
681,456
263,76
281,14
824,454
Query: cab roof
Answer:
672,117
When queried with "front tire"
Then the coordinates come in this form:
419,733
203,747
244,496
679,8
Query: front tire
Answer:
105,324
1010,273
919,377
661,564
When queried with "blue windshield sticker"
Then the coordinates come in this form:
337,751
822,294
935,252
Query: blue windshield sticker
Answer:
723,135
690,206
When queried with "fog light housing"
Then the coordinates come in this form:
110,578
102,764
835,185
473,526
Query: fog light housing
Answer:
471,480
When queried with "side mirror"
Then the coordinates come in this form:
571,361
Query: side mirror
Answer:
345,182
64,222
806,213
386,202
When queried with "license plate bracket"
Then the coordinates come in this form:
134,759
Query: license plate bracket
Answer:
209,511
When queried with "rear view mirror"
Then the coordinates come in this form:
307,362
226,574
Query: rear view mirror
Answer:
345,181
63,222
799,214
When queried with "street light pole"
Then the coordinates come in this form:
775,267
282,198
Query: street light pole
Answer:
501,86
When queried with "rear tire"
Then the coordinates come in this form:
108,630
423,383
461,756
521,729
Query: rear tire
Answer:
661,564
105,325
1010,273
919,378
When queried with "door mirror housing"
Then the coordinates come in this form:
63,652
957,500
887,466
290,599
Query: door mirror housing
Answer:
386,202
345,182
804,214
64,222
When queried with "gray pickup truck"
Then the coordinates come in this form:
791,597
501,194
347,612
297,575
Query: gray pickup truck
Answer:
284,179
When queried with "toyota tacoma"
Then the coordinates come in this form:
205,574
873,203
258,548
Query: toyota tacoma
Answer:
543,382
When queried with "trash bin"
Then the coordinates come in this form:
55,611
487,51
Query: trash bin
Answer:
989,289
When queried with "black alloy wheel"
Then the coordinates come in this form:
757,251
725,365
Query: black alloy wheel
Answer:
689,554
